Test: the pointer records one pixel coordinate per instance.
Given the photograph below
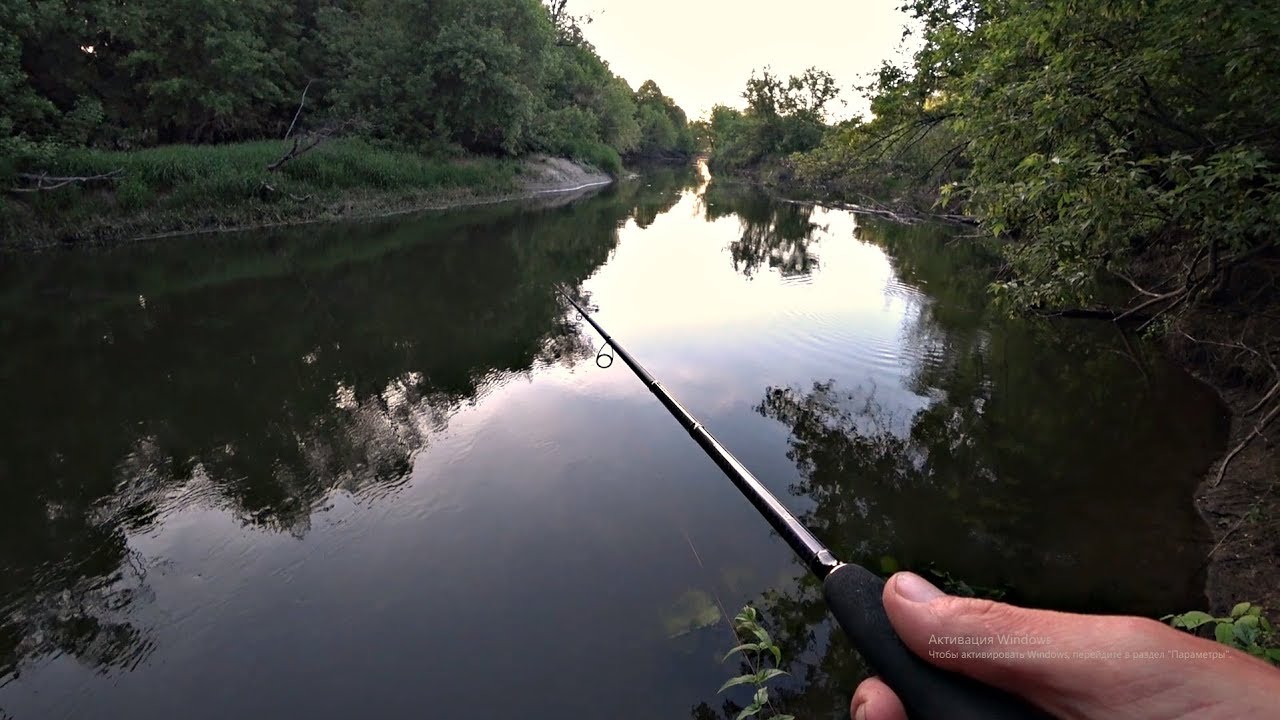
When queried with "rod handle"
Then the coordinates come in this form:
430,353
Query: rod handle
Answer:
855,596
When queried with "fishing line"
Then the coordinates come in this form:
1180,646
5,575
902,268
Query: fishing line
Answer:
753,665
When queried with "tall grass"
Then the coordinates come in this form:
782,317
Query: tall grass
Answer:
188,186
601,156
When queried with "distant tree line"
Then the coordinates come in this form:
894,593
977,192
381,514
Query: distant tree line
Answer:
782,117
502,77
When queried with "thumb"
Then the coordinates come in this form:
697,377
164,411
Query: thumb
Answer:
1079,666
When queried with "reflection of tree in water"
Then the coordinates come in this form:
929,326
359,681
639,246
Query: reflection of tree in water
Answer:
658,189
1035,459
774,235
259,377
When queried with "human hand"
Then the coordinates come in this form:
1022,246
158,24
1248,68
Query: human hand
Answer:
1075,667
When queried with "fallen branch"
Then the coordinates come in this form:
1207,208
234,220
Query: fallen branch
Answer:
272,189
1265,399
1254,434
1132,283
1176,295
1089,314
313,140
906,218
296,151
45,182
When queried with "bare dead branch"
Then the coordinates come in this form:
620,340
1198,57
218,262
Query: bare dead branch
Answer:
1132,283
301,104
313,140
272,189
1253,434
1266,399
1174,295
45,182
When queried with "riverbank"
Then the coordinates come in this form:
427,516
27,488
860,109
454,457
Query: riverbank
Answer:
1243,511
121,196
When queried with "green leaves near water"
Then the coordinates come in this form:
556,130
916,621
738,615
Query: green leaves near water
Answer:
747,623
1245,628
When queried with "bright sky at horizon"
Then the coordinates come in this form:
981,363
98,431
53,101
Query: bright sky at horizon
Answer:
701,52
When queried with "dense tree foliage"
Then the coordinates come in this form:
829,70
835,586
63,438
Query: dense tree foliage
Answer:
782,117
492,76
1101,136
664,128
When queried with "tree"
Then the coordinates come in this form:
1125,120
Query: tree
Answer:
492,76
782,117
664,127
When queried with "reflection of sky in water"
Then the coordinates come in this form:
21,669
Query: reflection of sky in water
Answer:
716,338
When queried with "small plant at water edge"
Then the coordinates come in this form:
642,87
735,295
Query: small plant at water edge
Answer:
747,626
1246,628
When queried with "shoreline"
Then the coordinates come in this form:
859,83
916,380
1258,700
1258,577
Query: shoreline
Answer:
478,200
1241,512
99,219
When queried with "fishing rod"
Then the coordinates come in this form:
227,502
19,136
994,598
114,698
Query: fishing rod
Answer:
853,593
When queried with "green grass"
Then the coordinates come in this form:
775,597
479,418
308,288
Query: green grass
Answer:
598,155
185,187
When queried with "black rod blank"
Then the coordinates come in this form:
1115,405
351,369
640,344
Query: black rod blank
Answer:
853,593
815,555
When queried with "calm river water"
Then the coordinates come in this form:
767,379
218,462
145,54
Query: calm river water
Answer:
372,470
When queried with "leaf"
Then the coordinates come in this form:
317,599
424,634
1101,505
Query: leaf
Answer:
762,696
1225,633
1274,655
741,648
1240,609
1192,620
1246,633
777,654
734,682
749,710
768,674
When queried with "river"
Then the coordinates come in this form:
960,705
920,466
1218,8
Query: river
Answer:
373,469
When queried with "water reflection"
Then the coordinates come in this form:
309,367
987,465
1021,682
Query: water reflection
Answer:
775,235
329,455
996,478
293,367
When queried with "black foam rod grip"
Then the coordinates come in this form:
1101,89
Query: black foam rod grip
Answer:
855,596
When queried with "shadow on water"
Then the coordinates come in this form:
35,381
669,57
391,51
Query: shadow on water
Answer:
1027,472
258,375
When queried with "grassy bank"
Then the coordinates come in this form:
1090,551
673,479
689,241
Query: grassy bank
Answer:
187,188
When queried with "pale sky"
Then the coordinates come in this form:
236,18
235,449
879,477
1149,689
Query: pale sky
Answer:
701,52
